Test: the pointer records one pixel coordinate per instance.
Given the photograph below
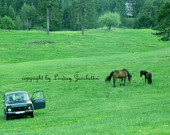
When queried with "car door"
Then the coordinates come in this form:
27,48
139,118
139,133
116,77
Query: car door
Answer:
38,100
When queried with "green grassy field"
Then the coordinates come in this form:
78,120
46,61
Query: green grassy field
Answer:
90,107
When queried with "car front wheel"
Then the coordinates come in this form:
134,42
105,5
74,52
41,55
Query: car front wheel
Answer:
32,115
6,116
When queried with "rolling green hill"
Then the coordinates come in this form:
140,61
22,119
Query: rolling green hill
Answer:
87,106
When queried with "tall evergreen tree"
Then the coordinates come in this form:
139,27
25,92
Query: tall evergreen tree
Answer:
12,12
17,4
91,15
1,9
74,16
32,15
18,23
56,18
163,22
81,8
5,10
24,13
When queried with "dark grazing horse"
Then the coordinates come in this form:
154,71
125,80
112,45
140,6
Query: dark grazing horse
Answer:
147,75
121,74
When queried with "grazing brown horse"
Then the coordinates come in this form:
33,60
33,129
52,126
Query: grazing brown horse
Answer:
147,76
119,74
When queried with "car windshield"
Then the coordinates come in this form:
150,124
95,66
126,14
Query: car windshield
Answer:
17,97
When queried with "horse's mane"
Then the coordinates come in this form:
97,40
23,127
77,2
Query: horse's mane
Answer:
143,72
129,75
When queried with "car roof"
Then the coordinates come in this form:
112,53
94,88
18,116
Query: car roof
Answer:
16,92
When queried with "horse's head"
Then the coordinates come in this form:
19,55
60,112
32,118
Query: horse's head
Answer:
141,73
129,77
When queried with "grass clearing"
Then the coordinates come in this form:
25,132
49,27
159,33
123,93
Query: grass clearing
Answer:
88,106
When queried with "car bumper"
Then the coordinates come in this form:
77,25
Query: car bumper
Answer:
20,112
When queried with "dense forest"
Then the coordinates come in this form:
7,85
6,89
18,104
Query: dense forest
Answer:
67,14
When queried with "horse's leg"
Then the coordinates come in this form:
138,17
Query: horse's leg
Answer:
124,81
148,81
145,79
114,83
114,80
121,81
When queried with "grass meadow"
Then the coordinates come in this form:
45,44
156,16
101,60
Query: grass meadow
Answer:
87,107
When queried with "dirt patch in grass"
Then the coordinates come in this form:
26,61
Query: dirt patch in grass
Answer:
39,42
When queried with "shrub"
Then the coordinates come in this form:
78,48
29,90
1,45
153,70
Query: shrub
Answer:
130,22
7,23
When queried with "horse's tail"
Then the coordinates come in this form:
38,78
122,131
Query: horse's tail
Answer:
108,78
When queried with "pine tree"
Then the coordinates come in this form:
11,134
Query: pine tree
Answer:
18,23
163,22
51,9
24,14
46,5
1,9
91,15
32,16
74,16
56,18
5,10
81,14
12,12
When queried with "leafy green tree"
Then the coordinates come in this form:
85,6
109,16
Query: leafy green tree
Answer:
163,22
7,23
110,19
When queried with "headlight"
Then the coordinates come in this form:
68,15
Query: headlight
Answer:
29,106
9,109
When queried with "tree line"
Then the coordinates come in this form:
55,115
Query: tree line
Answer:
77,14
67,14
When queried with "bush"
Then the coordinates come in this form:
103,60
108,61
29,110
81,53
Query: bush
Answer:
144,21
130,22
7,23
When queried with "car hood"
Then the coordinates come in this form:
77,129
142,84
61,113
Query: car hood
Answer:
19,104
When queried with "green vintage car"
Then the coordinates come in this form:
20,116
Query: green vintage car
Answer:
19,103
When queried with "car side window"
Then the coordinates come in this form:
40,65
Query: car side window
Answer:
38,95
